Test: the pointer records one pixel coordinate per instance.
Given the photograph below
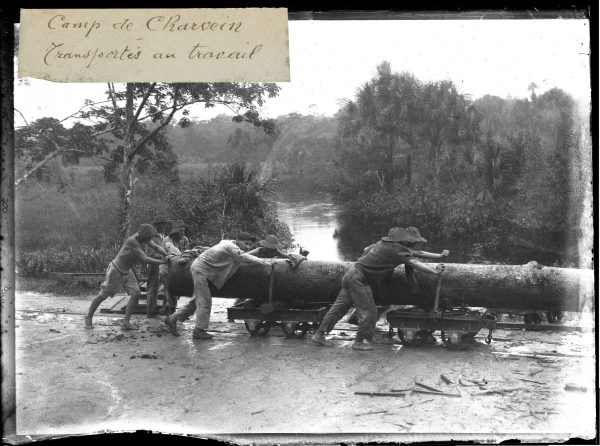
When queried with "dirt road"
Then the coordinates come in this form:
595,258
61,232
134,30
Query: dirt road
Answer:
72,381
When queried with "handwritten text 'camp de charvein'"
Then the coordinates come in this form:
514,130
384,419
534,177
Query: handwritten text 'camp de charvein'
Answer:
59,52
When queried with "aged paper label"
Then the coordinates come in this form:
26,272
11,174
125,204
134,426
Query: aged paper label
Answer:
155,45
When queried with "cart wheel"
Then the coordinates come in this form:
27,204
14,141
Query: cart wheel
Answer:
260,328
295,330
415,342
466,340
554,316
532,318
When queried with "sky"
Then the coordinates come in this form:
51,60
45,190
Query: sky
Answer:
331,59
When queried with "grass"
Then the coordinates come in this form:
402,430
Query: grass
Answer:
44,285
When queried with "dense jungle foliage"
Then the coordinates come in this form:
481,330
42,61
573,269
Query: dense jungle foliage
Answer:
493,179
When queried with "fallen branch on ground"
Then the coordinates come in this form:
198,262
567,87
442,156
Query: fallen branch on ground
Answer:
379,394
462,383
446,379
531,381
370,413
455,395
425,386
499,391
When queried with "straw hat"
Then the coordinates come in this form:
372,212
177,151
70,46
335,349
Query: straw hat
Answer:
415,234
161,218
271,241
398,235
244,236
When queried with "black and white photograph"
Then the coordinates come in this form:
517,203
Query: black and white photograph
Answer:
397,245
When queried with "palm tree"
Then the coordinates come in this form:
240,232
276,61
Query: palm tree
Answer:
242,190
532,86
380,120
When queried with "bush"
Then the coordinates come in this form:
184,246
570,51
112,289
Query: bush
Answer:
231,200
76,259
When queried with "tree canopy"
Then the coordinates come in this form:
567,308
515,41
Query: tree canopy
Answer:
128,128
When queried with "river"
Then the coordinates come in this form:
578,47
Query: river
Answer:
313,220
321,227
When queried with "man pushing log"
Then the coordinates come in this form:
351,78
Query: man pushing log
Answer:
119,273
215,265
377,262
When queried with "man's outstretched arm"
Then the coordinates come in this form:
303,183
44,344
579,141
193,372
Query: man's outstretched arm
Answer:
142,257
424,268
157,248
430,255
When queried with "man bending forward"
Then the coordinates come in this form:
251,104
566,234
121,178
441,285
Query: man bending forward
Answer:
119,273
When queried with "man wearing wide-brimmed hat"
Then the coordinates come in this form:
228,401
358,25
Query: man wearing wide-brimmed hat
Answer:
215,265
161,223
377,262
271,247
175,243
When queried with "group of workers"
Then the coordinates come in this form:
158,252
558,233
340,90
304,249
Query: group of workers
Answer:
218,263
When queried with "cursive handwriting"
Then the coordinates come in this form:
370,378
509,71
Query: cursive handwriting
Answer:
60,21
197,53
174,23
56,53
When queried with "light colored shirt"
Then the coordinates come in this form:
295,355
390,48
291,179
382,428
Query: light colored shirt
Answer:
222,261
174,248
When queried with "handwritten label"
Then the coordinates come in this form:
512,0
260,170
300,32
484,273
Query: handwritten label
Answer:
155,45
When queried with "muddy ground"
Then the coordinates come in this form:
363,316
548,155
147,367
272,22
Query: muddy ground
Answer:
75,381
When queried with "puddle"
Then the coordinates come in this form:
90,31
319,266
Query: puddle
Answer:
25,316
220,346
45,317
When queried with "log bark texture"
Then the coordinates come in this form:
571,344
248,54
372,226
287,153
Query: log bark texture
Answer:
507,287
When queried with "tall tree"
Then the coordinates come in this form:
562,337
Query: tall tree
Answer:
135,115
532,86
449,121
380,125
36,144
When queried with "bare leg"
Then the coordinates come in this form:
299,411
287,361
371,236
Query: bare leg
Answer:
152,285
170,301
340,307
101,297
133,301
164,280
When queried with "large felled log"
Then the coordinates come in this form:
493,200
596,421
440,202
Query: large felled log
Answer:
519,287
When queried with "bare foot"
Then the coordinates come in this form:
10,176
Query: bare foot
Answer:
88,323
172,324
319,339
127,326
360,345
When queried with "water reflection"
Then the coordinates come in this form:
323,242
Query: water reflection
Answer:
313,220
321,227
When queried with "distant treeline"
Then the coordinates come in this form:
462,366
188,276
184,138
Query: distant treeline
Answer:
501,174
302,149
